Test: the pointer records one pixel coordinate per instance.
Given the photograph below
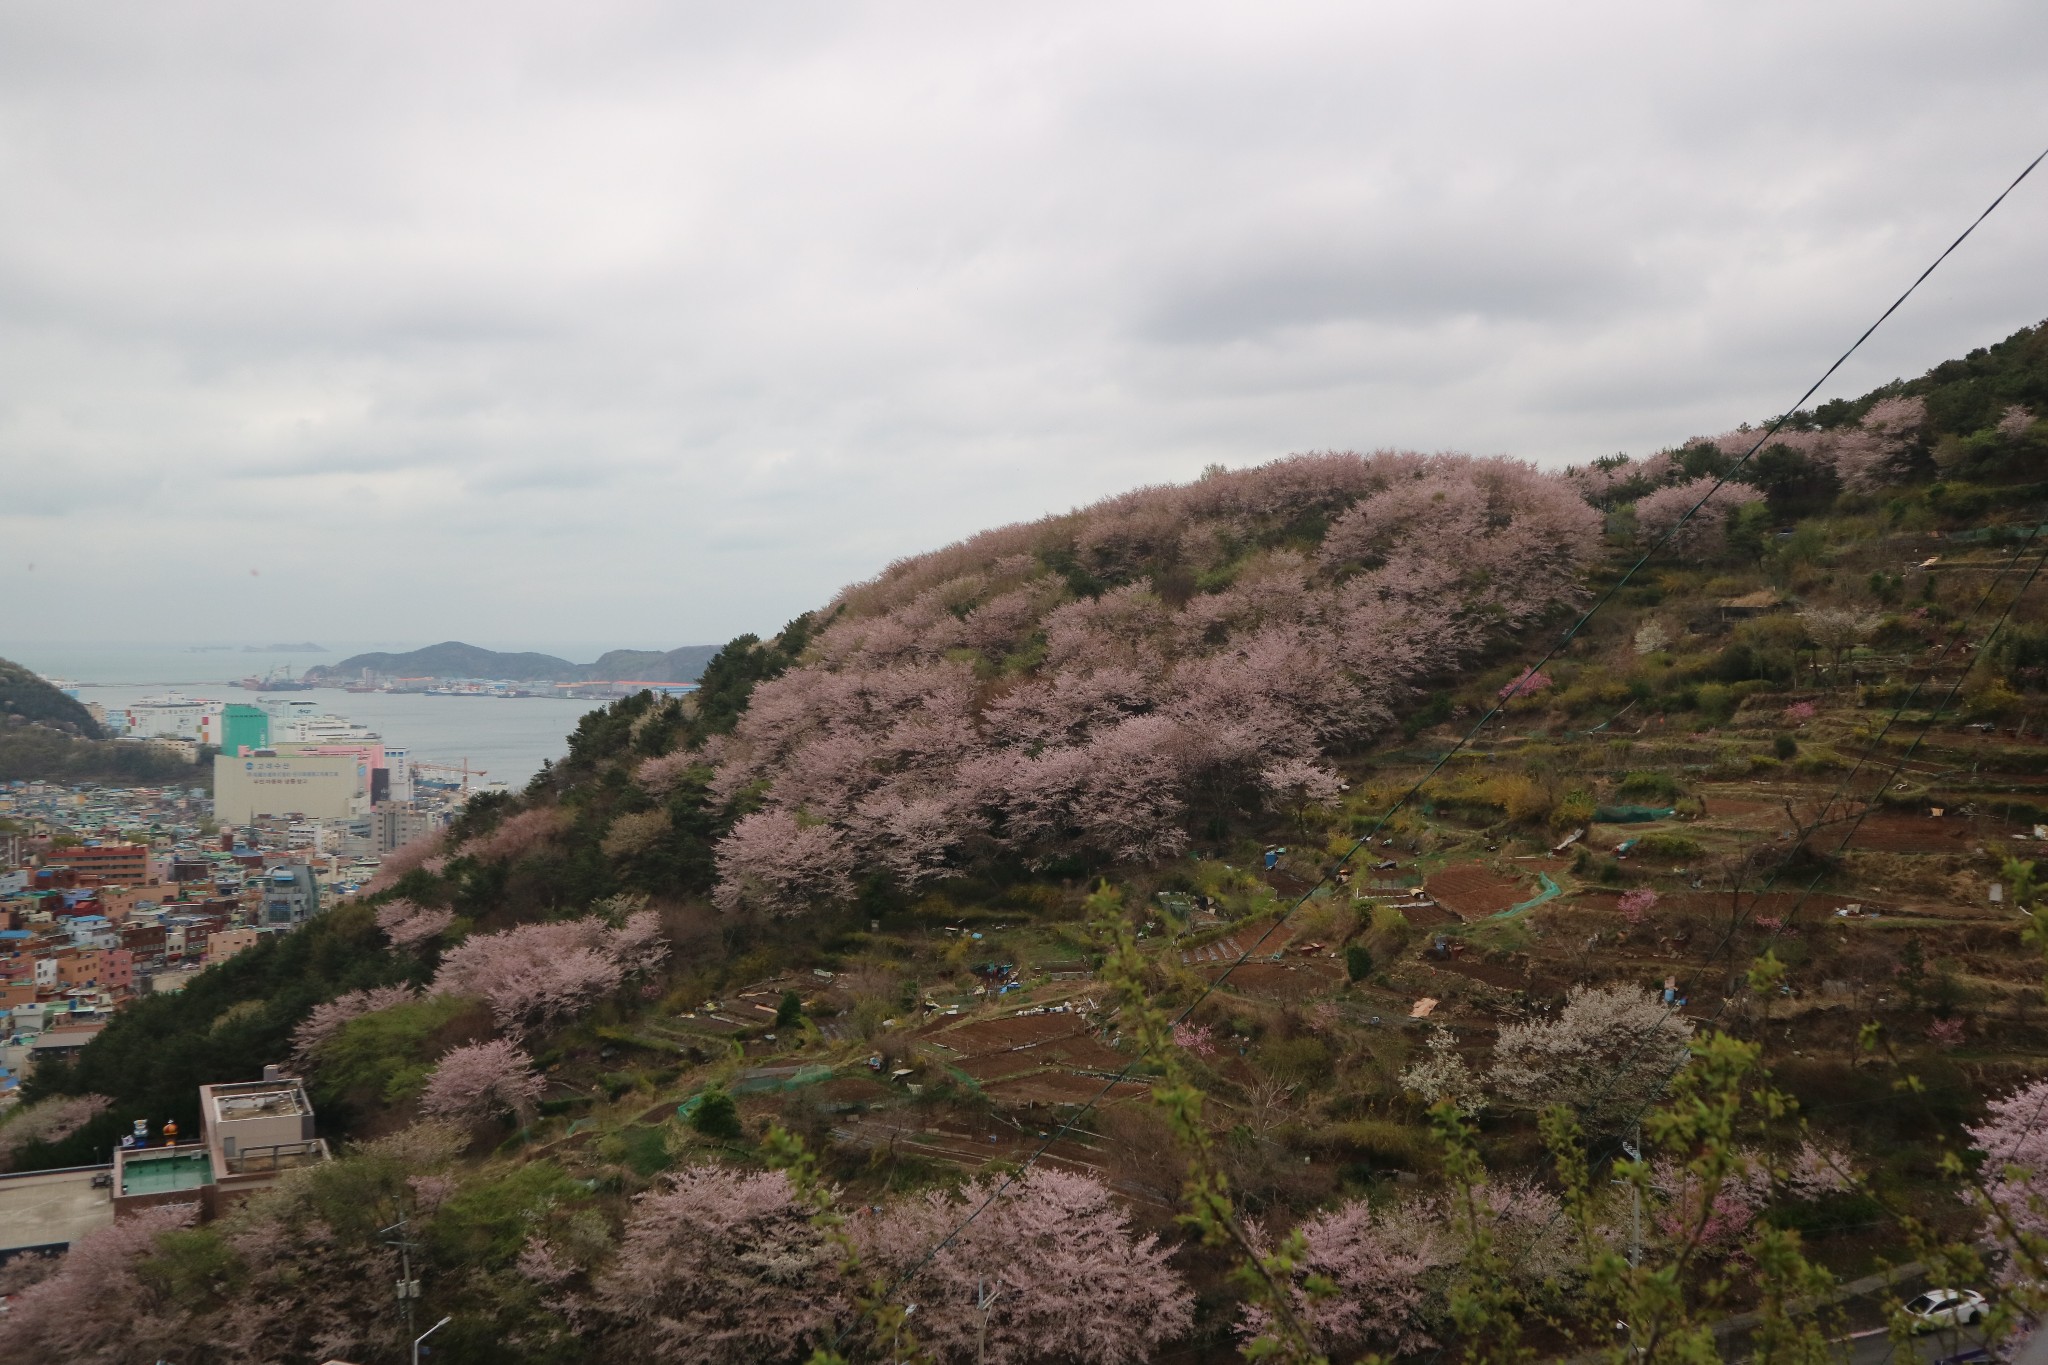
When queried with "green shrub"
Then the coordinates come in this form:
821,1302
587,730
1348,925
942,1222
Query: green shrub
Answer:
1660,845
1357,962
1304,1061
1784,746
718,1117
1573,809
789,1010
1661,786
387,1053
1382,1142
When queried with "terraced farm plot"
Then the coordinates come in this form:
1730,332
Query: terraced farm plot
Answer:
1474,891
1888,833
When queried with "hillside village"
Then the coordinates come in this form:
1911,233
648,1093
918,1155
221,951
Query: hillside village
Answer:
1333,790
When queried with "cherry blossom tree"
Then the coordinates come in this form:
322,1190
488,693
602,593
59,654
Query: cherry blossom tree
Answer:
663,774
326,1019
1441,1074
1608,1054
1051,1270
1527,683
720,1266
1384,1264
2015,422
538,975
482,1080
1878,452
1715,1217
407,924
1692,534
99,1308
1837,630
517,834
421,852
2014,1140
50,1120
1635,905
1053,690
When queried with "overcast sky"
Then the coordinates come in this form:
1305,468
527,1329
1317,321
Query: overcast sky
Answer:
646,324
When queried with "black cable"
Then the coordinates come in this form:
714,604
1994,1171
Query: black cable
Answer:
1496,709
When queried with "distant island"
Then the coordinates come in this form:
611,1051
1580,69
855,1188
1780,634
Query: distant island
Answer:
306,647
454,659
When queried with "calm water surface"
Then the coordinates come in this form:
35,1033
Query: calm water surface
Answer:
508,739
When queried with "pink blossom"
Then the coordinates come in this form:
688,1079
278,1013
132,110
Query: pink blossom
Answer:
482,1080
1715,1216
2014,1140
517,835
1693,534
1946,1032
1634,905
1817,1170
663,774
1877,452
99,1306
720,1266
431,1191
1299,781
394,865
326,1019
1054,1257
1527,683
407,924
1381,1262
540,974
2015,422
1195,1038
970,703
50,1120
1799,712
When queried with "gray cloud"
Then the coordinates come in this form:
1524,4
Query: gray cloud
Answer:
642,322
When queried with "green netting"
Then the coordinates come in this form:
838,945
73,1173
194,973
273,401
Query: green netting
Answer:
756,1084
1632,815
1551,890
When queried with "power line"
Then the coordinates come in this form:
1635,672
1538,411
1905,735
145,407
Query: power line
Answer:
1496,709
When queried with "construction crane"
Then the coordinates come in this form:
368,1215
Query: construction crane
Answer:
464,771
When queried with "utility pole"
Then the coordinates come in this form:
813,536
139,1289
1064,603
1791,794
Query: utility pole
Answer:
408,1287
984,1301
1635,1199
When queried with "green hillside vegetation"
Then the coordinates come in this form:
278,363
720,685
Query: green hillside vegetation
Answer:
1791,747
47,736
26,699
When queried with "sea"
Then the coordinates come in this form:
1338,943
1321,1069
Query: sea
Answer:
506,738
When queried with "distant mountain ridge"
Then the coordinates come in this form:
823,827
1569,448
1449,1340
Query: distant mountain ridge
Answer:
454,659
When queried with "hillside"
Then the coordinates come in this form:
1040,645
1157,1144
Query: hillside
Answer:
453,659
48,737
1011,832
35,702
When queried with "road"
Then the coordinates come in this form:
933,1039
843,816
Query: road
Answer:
1875,1348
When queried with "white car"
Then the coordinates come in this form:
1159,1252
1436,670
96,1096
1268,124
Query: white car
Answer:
1945,1308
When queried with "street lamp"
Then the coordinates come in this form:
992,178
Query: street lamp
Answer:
424,1335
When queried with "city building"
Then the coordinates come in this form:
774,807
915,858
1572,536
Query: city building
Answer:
398,824
250,1132
291,895
222,944
321,786
112,864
